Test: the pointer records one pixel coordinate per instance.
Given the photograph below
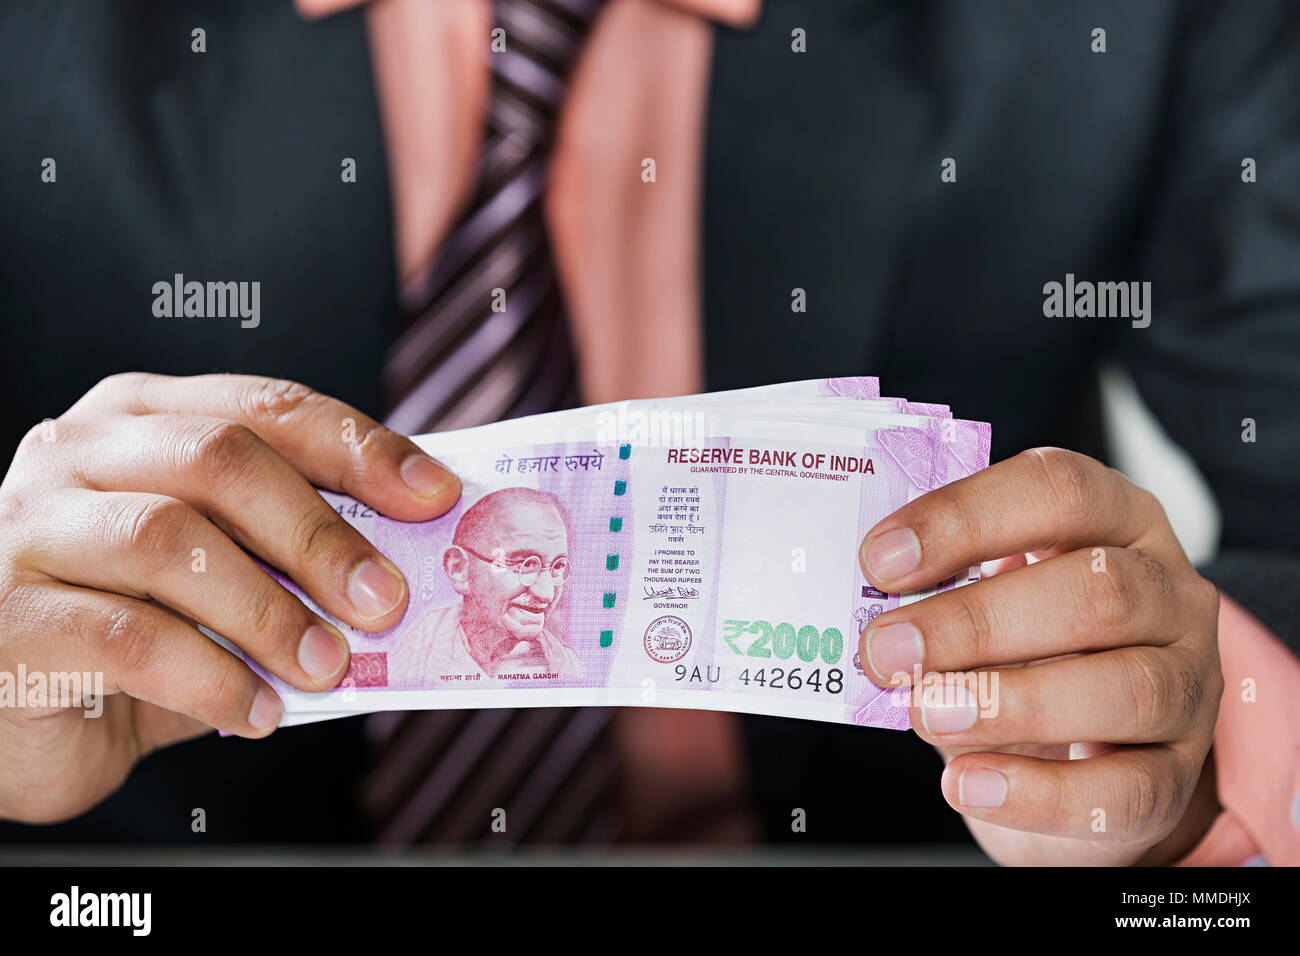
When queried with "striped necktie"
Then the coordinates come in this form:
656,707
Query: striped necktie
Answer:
486,338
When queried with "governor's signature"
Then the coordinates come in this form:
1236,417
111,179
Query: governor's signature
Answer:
679,593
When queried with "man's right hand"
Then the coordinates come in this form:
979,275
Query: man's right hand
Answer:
102,517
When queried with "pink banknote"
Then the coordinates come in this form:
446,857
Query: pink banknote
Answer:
710,570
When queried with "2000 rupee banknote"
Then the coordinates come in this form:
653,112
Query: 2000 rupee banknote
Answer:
718,574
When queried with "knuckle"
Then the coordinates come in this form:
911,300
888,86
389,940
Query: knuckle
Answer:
276,399
373,444
152,529
373,438
1110,593
976,630
122,383
223,449
1070,479
1151,798
1060,794
266,611
1151,571
44,443
1191,693
34,437
1155,690
131,639
314,533
1215,686
229,693
1205,598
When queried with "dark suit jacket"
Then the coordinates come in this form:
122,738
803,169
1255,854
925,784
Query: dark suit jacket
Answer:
822,174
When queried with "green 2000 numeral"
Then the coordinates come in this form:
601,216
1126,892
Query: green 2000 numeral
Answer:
783,642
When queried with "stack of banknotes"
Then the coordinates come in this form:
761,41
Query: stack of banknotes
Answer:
695,552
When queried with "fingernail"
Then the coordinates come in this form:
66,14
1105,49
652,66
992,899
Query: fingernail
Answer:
948,709
425,476
893,554
266,710
320,653
373,590
977,787
894,648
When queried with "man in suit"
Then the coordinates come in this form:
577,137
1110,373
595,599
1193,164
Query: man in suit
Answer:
735,196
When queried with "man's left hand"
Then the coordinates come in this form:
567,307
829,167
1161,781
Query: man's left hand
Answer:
1094,746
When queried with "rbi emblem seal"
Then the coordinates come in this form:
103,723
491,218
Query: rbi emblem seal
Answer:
667,639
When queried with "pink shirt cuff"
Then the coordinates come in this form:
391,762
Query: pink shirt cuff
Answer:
1256,749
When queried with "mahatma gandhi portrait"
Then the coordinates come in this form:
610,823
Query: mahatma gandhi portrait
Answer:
509,562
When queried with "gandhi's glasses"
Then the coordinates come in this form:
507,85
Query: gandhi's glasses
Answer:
528,569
